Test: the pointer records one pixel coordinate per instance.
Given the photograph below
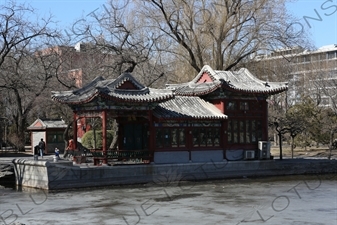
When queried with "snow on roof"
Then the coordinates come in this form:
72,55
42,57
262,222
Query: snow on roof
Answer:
327,48
43,124
241,80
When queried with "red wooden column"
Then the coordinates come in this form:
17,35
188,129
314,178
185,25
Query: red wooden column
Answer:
75,129
151,136
265,120
104,143
223,137
223,128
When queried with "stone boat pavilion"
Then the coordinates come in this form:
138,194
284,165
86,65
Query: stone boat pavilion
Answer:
216,116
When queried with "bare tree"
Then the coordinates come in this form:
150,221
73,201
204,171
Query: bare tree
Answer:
24,72
292,122
219,33
324,86
278,124
115,35
296,123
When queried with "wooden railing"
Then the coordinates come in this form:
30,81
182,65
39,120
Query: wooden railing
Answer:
119,155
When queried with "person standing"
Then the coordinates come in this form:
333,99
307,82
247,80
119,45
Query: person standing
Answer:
42,146
36,152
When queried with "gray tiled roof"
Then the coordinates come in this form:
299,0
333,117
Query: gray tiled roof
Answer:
47,124
108,89
241,81
55,124
194,89
244,81
183,107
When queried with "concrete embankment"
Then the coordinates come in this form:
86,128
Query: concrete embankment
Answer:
63,174
7,177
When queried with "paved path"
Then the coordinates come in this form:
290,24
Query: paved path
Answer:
7,157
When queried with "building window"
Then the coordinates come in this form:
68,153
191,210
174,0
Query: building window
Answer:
178,137
331,55
55,137
173,135
244,106
256,106
244,131
231,105
170,137
206,137
306,58
159,136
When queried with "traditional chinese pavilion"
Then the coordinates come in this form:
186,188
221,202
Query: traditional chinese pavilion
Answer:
211,118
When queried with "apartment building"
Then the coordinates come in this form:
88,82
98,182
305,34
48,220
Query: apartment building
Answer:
309,72
80,63
76,65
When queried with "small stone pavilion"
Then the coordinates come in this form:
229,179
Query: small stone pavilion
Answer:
211,118
50,130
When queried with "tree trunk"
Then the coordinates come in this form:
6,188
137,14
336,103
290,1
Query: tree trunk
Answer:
113,144
280,144
21,134
331,144
66,136
292,147
94,132
305,141
275,139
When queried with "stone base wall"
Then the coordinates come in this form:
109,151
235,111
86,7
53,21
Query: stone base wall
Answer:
50,175
171,157
207,156
186,157
31,173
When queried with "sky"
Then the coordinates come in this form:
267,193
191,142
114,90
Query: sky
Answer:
322,28
66,12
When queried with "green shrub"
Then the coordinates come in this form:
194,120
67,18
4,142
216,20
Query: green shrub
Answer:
89,142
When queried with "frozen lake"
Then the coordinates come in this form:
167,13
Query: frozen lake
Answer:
280,200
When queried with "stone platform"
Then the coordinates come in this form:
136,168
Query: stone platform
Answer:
65,174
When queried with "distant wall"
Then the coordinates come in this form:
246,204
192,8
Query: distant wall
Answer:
36,138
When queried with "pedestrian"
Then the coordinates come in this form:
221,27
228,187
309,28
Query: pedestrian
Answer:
36,152
70,147
42,146
57,153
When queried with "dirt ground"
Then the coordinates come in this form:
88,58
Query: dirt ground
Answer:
303,153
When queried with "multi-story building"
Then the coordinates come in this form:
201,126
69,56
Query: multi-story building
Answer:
80,63
309,72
